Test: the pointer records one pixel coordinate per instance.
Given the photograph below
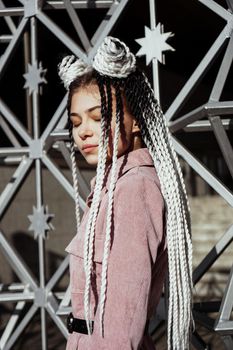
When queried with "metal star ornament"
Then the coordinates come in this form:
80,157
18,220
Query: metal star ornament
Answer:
154,44
34,77
40,221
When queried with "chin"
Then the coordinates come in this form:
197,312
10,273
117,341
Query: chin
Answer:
92,159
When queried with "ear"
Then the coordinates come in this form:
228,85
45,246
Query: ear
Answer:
135,127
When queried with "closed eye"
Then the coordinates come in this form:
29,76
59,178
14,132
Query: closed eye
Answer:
76,125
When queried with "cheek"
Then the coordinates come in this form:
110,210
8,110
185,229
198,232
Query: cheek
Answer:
76,137
125,130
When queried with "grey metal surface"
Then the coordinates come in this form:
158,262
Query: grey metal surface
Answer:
36,145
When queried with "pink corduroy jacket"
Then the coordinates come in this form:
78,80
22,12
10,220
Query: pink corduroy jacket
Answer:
137,261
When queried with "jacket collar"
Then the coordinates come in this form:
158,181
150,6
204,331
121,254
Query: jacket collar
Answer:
132,159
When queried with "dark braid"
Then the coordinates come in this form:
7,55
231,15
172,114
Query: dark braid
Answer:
119,103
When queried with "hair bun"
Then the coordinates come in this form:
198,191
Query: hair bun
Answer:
113,58
71,68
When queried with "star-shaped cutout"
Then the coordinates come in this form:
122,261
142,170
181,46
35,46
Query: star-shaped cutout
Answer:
154,44
40,221
34,77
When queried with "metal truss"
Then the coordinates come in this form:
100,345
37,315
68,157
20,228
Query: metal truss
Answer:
212,112
34,152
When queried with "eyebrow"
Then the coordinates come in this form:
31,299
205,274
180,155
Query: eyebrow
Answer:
74,114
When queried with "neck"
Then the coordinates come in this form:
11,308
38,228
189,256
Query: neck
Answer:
137,142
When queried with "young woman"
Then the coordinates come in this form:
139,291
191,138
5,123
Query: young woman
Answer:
136,224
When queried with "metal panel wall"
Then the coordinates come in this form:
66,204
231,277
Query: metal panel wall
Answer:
30,148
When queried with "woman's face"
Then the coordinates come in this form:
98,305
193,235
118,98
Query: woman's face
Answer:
85,115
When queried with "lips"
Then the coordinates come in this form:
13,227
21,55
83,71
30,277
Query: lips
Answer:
88,146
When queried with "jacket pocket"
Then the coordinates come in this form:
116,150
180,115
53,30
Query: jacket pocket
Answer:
76,247
77,273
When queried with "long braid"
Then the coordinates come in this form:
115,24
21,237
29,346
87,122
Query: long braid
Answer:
180,238
145,108
183,212
179,262
172,240
171,217
90,229
75,177
135,101
110,208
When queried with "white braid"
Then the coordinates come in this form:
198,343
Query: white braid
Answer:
177,229
114,59
175,307
109,222
71,68
183,236
75,184
90,229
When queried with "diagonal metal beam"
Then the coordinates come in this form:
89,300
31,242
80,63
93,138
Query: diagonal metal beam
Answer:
62,36
218,186
106,26
21,327
16,263
5,127
230,5
213,255
104,23
61,179
223,72
15,123
12,46
196,76
223,141
81,181
63,121
56,319
227,301
8,19
218,9
187,119
11,188
77,25
66,299
11,323
58,274
55,119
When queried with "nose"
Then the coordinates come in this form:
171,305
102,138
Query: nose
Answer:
84,131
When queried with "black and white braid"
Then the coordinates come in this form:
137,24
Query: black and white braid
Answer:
90,229
113,179
156,136
74,176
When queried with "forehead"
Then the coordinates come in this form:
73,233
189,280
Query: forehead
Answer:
85,98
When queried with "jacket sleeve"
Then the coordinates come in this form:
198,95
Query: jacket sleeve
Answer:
137,222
